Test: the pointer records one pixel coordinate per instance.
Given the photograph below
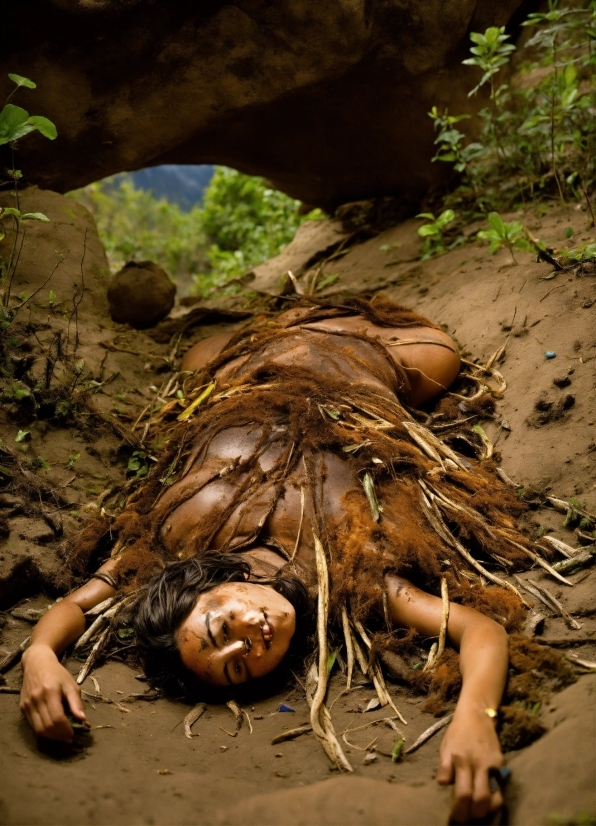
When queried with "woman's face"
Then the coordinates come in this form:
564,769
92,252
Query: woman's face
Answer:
236,632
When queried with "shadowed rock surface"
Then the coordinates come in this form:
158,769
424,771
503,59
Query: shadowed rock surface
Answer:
327,100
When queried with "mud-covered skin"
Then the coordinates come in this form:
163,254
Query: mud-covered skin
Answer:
429,368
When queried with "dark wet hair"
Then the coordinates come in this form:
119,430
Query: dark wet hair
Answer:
169,599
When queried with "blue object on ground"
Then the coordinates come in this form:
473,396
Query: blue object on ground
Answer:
550,355
284,707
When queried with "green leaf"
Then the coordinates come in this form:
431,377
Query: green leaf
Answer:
446,217
14,123
35,216
497,223
22,435
331,657
15,173
21,392
45,126
22,81
125,633
328,281
11,211
369,489
397,751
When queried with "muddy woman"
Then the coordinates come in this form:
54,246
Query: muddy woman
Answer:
307,499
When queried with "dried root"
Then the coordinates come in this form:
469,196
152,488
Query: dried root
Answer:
191,718
320,717
437,651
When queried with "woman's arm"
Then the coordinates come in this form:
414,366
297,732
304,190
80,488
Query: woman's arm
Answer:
470,748
47,685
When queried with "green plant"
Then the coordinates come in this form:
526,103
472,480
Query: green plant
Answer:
433,232
72,459
490,53
450,141
15,123
501,234
138,464
538,134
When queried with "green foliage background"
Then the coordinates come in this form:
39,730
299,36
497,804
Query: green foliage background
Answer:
241,223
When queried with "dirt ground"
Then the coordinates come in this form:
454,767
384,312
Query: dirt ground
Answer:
137,766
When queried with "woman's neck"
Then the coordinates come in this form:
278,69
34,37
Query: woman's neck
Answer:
264,562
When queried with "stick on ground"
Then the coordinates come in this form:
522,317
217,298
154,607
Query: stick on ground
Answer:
192,717
426,735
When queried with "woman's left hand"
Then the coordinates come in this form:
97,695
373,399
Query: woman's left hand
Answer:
470,749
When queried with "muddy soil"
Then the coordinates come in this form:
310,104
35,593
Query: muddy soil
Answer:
81,431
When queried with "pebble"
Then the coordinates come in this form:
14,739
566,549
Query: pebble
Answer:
550,355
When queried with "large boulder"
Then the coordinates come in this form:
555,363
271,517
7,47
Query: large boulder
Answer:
328,100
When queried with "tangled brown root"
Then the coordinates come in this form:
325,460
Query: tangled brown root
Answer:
518,728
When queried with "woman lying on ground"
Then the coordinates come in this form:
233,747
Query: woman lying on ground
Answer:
305,447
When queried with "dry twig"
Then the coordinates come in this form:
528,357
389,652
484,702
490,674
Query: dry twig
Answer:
426,735
192,717
290,734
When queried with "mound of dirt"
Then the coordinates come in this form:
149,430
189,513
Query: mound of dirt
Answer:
137,766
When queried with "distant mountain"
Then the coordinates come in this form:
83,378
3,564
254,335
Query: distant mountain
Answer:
182,185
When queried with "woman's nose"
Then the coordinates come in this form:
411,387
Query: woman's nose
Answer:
235,647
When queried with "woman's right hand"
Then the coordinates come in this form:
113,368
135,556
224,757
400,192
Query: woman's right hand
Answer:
47,686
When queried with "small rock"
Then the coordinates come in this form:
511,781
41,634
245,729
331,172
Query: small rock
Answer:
550,355
370,758
140,294
587,304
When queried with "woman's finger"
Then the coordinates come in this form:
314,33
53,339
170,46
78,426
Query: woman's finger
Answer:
73,697
60,728
47,724
460,812
496,801
481,797
445,772
35,721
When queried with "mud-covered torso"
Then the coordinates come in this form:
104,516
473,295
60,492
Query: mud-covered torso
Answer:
267,516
